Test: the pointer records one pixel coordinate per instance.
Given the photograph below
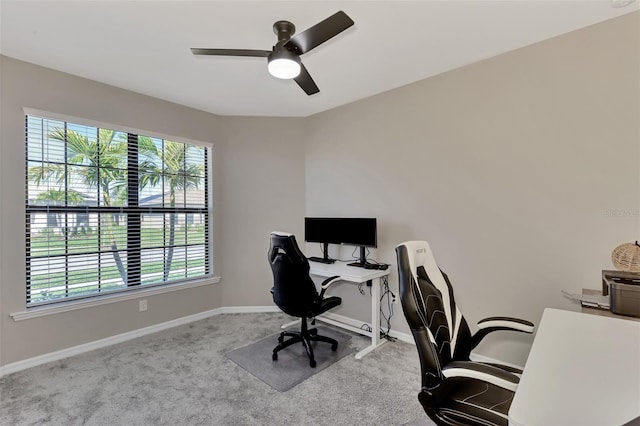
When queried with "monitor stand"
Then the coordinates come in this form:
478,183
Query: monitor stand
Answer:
321,260
324,259
362,261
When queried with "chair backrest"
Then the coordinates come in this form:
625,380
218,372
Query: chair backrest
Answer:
293,289
438,327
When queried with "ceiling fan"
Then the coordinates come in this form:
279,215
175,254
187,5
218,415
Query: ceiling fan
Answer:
284,59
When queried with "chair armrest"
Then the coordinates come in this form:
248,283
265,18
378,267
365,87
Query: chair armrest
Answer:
509,323
486,373
491,324
327,283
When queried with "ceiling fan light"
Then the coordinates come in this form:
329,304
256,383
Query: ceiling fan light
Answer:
285,65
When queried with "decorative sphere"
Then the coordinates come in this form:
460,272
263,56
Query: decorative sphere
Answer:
626,257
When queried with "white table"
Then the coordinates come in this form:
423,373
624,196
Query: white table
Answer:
582,370
354,275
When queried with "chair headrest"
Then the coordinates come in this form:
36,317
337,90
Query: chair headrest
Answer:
285,241
419,254
281,233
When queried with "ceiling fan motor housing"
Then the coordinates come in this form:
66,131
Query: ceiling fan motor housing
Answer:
284,30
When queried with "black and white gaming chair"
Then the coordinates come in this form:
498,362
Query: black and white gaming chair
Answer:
454,389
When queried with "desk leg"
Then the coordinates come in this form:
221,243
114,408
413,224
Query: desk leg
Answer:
375,320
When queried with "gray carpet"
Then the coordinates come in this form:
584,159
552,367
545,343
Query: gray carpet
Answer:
292,366
182,377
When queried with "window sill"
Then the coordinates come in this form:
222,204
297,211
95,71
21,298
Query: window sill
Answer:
42,311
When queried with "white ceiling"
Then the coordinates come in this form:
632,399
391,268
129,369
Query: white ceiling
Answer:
143,46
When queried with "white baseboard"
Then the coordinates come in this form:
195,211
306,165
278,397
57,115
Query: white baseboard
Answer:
119,338
97,344
404,337
248,309
112,340
357,324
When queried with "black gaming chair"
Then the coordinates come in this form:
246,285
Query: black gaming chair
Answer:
454,389
295,293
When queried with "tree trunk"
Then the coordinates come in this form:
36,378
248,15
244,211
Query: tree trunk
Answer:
108,219
172,234
116,257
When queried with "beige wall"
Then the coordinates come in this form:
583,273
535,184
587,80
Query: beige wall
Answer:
509,168
264,157
521,171
258,183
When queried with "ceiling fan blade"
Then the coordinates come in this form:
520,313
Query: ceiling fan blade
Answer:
305,81
319,33
231,52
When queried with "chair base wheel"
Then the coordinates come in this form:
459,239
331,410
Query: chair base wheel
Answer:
306,336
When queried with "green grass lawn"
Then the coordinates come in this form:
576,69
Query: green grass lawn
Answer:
48,244
148,269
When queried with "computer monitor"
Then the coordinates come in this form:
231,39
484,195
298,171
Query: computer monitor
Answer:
360,232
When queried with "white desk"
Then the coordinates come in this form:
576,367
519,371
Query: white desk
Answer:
355,275
582,370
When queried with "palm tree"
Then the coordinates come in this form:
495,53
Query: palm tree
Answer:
171,165
59,197
100,163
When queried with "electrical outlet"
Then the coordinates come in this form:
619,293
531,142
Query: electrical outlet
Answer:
143,305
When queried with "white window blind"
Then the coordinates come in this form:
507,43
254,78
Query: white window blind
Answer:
108,210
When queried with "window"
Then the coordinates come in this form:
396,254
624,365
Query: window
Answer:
108,210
